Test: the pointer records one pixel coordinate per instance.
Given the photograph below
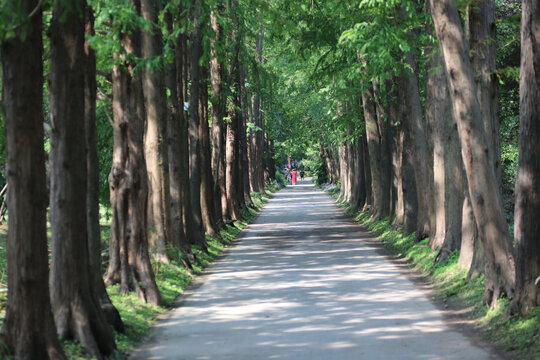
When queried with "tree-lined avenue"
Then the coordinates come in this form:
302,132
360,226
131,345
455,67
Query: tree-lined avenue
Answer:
302,282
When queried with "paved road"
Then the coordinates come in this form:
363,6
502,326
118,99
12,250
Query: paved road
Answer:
302,284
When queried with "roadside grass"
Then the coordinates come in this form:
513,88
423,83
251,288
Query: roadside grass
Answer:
172,280
517,335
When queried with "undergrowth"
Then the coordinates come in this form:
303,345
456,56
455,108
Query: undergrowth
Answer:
172,279
517,335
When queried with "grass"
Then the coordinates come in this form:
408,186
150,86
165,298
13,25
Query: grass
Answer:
517,335
172,279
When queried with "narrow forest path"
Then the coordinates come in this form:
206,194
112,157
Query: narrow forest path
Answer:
301,283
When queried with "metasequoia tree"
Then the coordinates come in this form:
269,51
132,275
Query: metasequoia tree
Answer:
235,198
129,262
217,112
154,139
92,182
205,160
526,232
475,149
197,235
448,177
177,154
28,330
76,307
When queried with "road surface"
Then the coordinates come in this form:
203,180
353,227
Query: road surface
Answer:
304,282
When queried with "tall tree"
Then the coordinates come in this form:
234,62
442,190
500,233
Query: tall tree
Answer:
193,128
217,111
129,262
154,139
177,155
484,193
92,182
526,232
205,163
28,330
76,307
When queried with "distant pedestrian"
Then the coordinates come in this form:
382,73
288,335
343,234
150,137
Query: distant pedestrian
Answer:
302,174
293,174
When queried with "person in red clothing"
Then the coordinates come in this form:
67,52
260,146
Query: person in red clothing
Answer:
293,174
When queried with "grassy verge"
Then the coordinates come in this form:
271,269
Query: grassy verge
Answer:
172,280
517,335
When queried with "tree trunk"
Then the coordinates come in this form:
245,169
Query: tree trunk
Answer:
379,185
177,155
217,111
154,97
396,150
368,203
208,211
484,193
75,305
193,129
194,235
447,164
418,152
380,97
244,163
526,227
129,262
234,195
481,32
92,185
28,330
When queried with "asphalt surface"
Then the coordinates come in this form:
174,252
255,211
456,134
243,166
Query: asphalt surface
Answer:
304,282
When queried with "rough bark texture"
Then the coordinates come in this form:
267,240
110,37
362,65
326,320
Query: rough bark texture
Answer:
154,100
194,234
177,166
234,192
28,330
419,152
205,161
447,164
92,185
377,147
76,308
244,163
193,131
217,111
483,189
527,226
129,262
481,31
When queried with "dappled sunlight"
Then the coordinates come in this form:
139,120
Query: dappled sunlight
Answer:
305,286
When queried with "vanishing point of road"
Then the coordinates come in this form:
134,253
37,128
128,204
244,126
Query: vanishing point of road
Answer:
303,281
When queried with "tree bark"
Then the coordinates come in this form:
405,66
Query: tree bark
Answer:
208,211
194,235
193,131
484,193
28,330
177,154
374,137
92,185
76,307
217,111
447,164
481,32
526,229
244,163
129,262
419,154
154,100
